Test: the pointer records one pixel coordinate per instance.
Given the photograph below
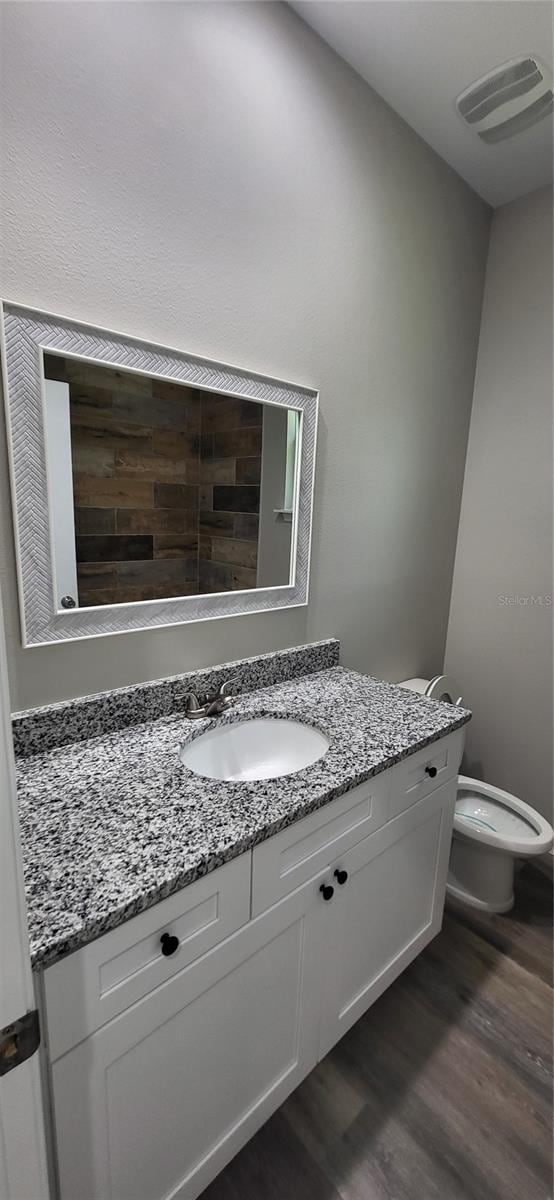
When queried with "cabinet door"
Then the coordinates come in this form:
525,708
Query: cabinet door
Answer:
386,911
157,1101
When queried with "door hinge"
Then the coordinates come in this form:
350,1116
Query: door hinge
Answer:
19,1041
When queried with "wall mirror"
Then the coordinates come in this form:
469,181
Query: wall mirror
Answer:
150,487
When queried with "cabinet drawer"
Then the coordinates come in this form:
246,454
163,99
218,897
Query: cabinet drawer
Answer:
421,773
96,983
287,860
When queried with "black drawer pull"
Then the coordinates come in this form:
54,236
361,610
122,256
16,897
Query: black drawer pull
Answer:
431,771
341,876
169,944
327,891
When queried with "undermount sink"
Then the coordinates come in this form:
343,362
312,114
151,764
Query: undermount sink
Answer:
264,748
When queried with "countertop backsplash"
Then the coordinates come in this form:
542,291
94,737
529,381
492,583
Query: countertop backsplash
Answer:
38,730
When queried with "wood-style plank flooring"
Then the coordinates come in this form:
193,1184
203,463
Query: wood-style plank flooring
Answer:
442,1091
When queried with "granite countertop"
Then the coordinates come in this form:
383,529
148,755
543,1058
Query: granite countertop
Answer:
112,824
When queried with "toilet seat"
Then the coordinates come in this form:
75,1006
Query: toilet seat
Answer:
445,688
441,687
495,818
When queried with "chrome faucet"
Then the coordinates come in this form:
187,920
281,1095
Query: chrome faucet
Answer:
212,706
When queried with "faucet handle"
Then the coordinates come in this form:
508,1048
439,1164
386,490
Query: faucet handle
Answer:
225,689
192,704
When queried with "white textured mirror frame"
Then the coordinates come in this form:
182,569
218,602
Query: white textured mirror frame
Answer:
25,335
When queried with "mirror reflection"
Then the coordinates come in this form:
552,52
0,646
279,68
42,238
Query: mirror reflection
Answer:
157,489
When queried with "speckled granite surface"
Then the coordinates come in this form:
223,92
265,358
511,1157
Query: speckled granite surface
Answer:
115,823
40,729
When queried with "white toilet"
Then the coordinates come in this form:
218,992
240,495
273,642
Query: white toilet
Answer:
492,829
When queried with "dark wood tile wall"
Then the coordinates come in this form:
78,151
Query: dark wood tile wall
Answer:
166,485
136,472
229,493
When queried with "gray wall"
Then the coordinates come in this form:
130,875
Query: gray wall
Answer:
215,178
499,641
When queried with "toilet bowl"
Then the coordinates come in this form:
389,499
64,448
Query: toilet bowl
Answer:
492,829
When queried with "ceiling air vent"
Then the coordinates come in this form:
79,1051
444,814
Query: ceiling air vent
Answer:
507,100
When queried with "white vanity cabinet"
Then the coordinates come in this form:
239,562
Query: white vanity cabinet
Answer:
155,1087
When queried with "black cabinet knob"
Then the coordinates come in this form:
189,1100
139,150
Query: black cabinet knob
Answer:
327,891
169,944
341,876
431,771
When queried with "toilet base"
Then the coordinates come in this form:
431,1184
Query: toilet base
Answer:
480,875
458,893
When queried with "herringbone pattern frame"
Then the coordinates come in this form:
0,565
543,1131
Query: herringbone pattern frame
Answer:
25,335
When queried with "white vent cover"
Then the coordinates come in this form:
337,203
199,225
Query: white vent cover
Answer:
508,100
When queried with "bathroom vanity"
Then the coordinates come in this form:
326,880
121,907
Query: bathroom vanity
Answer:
200,944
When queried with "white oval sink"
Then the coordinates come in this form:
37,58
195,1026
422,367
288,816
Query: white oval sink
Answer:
265,748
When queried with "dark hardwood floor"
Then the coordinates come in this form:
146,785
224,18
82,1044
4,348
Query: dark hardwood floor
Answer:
442,1091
